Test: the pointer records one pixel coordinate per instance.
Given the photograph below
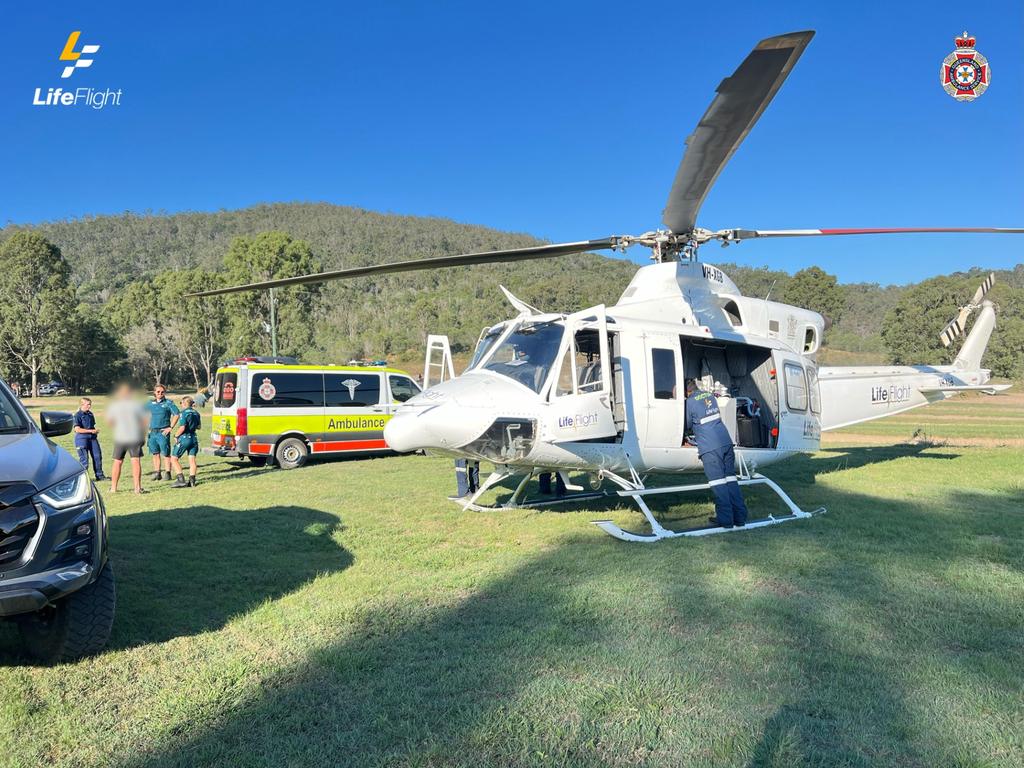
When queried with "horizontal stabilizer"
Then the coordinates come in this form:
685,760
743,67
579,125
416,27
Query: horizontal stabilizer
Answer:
988,389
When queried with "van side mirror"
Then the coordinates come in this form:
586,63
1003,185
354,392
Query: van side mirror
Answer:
56,423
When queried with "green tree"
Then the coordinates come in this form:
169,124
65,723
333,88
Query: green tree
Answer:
37,303
198,328
267,256
814,288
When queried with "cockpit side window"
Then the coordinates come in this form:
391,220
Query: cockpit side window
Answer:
585,375
484,344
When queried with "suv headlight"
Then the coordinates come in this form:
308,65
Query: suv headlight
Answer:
68,493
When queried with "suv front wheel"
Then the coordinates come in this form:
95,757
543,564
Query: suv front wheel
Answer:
291,453
75,626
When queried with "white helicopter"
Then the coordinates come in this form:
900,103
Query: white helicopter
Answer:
600,391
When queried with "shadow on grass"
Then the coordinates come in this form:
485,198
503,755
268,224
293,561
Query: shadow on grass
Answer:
769,648
185,571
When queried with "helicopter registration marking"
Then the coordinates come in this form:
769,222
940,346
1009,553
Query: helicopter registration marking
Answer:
712,273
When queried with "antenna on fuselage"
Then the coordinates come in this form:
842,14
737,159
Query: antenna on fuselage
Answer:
771,288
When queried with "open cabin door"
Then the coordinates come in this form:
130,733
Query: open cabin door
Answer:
580,392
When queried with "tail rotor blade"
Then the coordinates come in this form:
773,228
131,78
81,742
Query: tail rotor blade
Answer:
984,288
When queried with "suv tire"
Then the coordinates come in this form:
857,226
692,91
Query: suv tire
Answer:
291,453
76,626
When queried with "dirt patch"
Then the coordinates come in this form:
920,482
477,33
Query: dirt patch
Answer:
858,438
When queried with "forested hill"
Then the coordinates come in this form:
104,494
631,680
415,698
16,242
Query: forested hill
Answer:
390,315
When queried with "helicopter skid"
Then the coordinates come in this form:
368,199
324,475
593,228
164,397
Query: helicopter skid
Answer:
659,532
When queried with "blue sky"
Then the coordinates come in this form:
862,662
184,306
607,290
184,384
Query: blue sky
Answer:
564,120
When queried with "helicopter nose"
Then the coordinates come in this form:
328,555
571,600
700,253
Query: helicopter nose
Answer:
449,415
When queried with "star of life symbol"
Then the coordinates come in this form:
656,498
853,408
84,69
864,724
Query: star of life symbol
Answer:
267,390
351,384
70,54
965,73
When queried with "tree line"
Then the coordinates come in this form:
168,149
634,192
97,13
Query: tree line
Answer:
96,299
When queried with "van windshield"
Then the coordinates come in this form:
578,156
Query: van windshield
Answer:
12,418
527,354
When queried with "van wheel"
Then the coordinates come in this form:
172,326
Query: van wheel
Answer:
78,625
291,453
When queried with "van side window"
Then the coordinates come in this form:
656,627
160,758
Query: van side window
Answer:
796,387
270,389
402,388
663,363
352,390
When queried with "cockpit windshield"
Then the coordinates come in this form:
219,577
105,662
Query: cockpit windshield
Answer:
527,354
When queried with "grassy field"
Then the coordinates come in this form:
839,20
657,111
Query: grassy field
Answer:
345,614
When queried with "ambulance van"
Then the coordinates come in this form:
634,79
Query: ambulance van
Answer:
284,413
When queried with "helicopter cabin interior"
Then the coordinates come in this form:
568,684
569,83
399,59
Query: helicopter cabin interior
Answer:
741,376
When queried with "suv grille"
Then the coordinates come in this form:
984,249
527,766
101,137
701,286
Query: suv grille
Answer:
19,522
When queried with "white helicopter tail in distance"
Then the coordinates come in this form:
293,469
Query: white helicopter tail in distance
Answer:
855,394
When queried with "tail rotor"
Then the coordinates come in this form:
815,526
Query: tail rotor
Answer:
955,328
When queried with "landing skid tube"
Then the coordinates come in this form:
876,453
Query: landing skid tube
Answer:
659,532
516,501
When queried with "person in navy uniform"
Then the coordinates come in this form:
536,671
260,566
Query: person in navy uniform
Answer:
715,448
87,439
163,416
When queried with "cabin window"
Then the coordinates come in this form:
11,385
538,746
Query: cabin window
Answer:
812,388
663,365
732,311
810,340
271,389
796,387
352,390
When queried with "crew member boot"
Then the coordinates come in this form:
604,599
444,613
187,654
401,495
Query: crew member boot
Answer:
167,475
156,475
192,480
180,482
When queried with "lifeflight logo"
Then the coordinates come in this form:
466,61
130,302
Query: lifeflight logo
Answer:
70,54
96,98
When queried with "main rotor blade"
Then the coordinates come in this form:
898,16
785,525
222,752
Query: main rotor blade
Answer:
437,262
748,234
740,101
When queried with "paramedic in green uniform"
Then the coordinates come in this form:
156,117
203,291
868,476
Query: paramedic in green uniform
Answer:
163,415
186,441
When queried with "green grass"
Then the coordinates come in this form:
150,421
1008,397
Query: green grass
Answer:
344,614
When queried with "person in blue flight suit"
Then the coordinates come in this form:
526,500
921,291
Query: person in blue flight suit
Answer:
186,443
467,479
163,416
87,439
715,448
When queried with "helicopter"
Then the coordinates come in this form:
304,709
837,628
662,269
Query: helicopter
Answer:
600,391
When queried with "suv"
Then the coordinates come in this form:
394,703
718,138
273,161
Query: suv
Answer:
55,581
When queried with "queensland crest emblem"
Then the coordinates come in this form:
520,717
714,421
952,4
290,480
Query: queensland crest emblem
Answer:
351,384
267,390
965,73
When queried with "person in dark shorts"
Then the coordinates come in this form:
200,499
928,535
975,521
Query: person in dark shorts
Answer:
127,422
87,439
163,416
186,442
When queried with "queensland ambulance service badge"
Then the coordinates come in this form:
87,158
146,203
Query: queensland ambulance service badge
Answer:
267,390
965,73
